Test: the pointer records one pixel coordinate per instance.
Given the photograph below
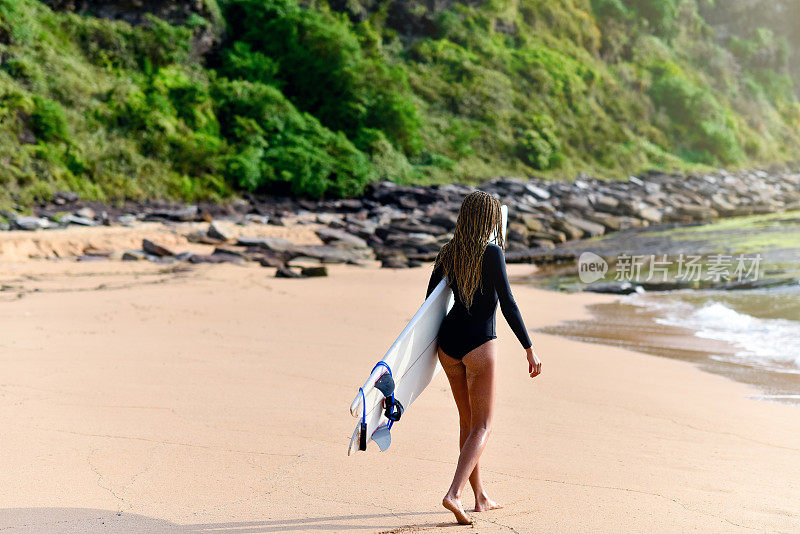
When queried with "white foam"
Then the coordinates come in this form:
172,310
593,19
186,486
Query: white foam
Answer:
772,344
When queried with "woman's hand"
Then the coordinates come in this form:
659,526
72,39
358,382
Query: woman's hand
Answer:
534,363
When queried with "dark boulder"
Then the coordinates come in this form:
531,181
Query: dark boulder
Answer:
155,249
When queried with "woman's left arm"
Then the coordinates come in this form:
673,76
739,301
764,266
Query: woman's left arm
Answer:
436,277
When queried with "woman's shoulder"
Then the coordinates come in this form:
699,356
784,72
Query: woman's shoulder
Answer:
493,251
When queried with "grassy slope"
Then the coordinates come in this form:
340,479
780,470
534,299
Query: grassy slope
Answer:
313,101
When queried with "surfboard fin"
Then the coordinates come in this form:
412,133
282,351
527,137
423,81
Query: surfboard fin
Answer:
383,437
385,384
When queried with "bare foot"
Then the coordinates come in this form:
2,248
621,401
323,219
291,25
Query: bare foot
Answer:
484,503
454,505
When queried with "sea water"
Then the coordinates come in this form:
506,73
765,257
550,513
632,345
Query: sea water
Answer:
762,326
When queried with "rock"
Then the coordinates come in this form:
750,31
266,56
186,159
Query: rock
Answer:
267,260
587,227
611,223
329,253
201,237
538,192
540,244
76,219
553,236
86,213
133,255
256,218
571,231
764,208
532,223
93,251
155,249
395,261
303,261
285,272
189,213
761,283
408,226
423,257
65,197
721,205
30,223
606,203
349,204
320,270
513,236
89,257
416,241
329,235
184,256
218,232
329,218
518,228
669,285
615,288
697,213
631,222
649,213
539,256
444,219
215,258
229,251
272,244
127,220
576,203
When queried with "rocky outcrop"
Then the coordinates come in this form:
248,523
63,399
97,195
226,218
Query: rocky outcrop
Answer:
405,226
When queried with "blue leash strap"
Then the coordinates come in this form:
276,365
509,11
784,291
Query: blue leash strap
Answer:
386,365
364,400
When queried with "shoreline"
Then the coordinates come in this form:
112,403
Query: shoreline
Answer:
644,327
218,400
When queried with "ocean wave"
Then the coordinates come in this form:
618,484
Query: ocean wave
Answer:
768,343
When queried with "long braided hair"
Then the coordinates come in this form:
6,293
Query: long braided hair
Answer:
461,258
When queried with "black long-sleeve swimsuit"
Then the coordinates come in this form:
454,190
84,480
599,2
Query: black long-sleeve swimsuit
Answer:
466,329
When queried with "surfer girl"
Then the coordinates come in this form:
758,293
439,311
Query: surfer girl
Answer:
476,271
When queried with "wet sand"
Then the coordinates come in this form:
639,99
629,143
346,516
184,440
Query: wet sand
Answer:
139,398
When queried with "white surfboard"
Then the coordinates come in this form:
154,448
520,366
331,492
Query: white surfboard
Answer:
412,358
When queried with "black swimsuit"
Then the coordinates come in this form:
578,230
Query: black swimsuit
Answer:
466,329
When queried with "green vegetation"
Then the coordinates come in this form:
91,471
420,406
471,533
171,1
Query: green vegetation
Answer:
320,99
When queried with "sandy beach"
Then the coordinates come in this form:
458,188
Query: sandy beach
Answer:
138,398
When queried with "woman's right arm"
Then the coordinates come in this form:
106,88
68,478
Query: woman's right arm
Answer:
510,309
507,303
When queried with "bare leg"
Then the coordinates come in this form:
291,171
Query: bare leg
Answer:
457,376
479,375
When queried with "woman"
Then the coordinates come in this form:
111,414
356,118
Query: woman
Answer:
476,271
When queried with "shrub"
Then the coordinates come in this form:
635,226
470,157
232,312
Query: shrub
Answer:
48,121
702,126
321,67
280,148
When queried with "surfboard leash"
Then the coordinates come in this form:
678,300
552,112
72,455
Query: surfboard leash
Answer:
394,410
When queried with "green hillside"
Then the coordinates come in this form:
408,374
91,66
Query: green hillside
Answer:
321,98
